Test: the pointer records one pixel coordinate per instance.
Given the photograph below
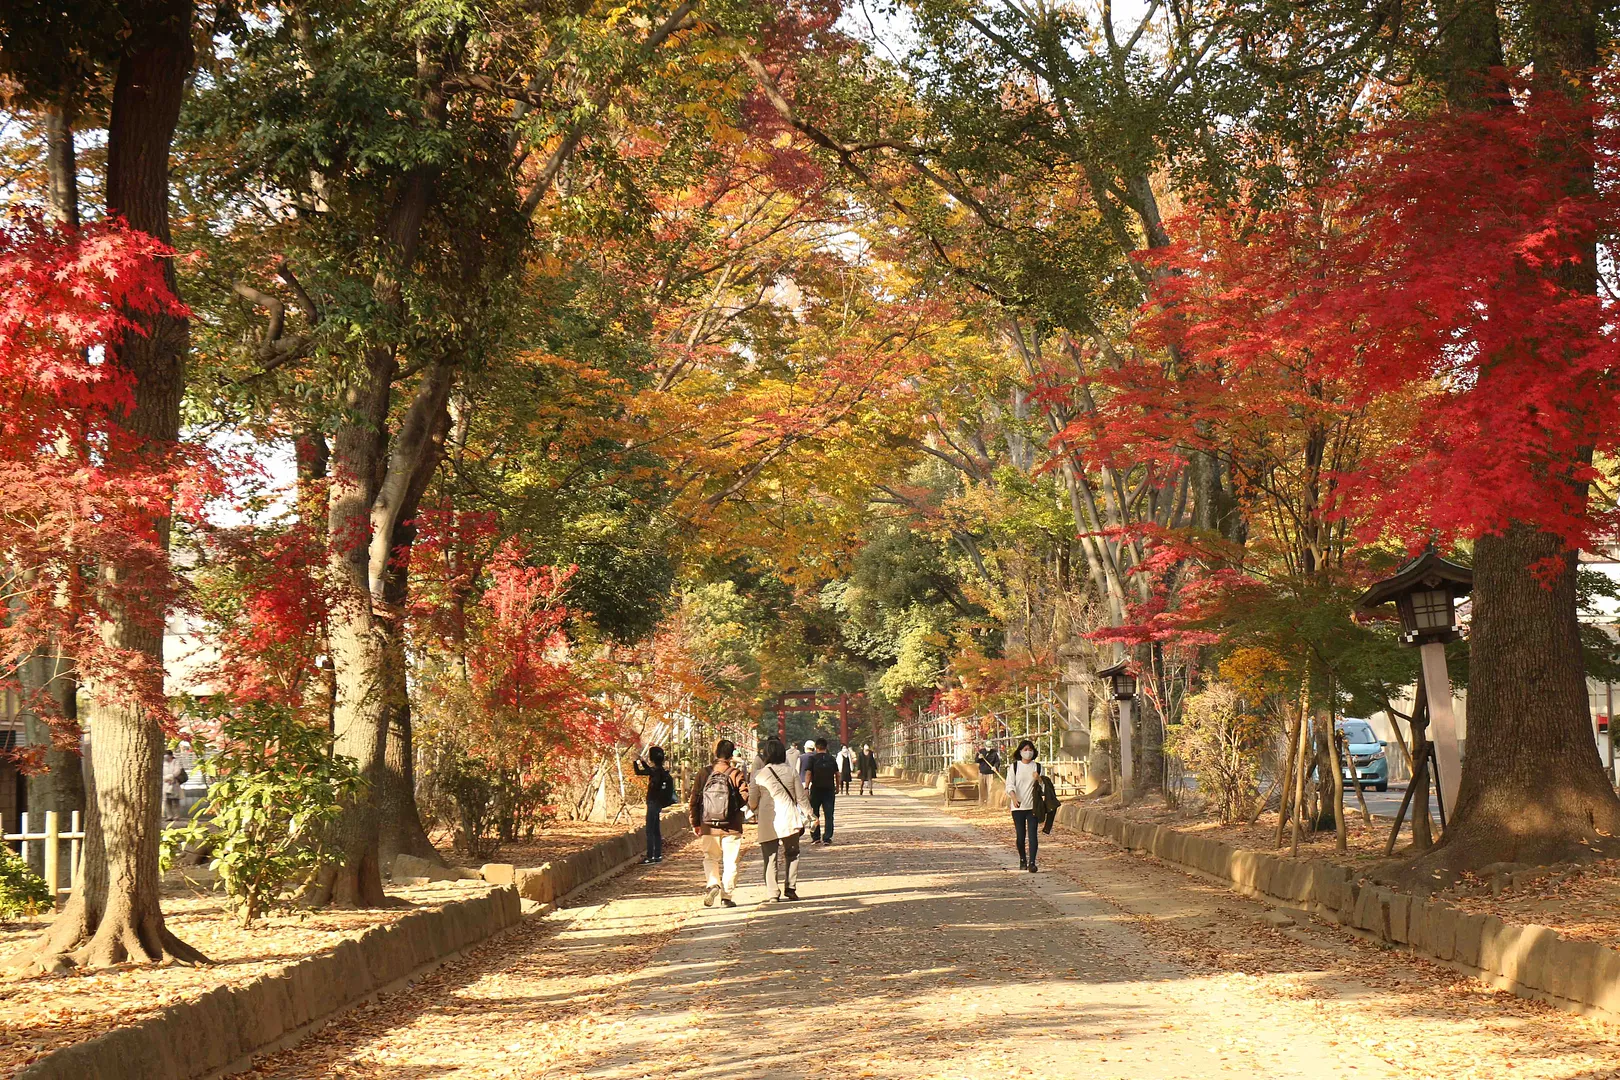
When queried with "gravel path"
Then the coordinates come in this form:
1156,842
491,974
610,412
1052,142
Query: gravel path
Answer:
919,951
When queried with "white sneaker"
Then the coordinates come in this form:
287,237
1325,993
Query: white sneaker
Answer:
710,895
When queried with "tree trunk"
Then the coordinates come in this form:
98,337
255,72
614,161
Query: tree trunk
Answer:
60,787
371,502
400,821
359,717
1533,787
127,738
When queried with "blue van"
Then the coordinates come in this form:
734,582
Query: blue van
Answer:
1366,754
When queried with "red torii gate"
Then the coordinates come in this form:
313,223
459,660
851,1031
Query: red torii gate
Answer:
817,700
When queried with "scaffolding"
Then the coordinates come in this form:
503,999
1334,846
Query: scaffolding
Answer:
939,737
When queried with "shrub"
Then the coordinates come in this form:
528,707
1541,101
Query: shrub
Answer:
279,789
1226,746
22,892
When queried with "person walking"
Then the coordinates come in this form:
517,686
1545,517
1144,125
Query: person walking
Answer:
719,793
822,769
781,808
174,786
868,768
846,768
660,793
989,762
1024,796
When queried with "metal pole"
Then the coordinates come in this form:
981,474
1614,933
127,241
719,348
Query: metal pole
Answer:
1442,723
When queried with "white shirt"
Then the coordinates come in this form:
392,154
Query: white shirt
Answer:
1021,776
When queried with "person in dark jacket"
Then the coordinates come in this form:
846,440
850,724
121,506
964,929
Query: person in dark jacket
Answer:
716,812
989,762
868,768
660,793
821,768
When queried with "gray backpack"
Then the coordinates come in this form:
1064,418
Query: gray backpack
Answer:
718,796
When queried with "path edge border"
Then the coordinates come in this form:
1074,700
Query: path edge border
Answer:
219,1033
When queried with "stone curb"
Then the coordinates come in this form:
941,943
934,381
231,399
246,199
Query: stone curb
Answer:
219,1033
1531,961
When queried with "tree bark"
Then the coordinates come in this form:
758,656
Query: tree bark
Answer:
127,739
372,499
1533,786
1099,765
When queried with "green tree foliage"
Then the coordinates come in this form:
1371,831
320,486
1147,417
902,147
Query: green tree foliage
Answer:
277,787
22,892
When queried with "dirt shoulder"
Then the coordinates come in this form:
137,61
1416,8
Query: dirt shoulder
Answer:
42,1013
1580,902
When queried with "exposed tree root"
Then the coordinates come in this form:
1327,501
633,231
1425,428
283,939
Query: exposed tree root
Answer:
1484,841
351,886
69,944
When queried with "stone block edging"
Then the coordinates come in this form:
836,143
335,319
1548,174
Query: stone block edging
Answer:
220,1032
1532,961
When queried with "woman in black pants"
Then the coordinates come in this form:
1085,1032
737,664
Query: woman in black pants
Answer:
1024,796
660,793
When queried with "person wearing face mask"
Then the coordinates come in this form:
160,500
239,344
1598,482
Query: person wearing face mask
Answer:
868,769
1024,796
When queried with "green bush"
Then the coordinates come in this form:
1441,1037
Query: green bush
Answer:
22,892
278,790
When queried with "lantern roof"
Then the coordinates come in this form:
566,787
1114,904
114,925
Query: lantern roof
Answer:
1117,669
1427,571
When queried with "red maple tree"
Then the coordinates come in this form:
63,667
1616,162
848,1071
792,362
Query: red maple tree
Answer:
77,491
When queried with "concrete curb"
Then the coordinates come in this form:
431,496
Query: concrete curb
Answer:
219,1033
1531,961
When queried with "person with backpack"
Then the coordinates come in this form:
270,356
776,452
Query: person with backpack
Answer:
719,793
822,770
1024,795
782,810
989,762
660,793
868,769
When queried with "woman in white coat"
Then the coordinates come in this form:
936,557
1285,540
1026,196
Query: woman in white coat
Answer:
1024,796
782,808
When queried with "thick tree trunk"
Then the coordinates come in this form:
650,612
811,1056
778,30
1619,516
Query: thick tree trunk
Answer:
1099,765
60,787
1533,786
127,739
358,723
399,820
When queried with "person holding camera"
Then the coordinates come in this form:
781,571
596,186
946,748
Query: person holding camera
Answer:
660,794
